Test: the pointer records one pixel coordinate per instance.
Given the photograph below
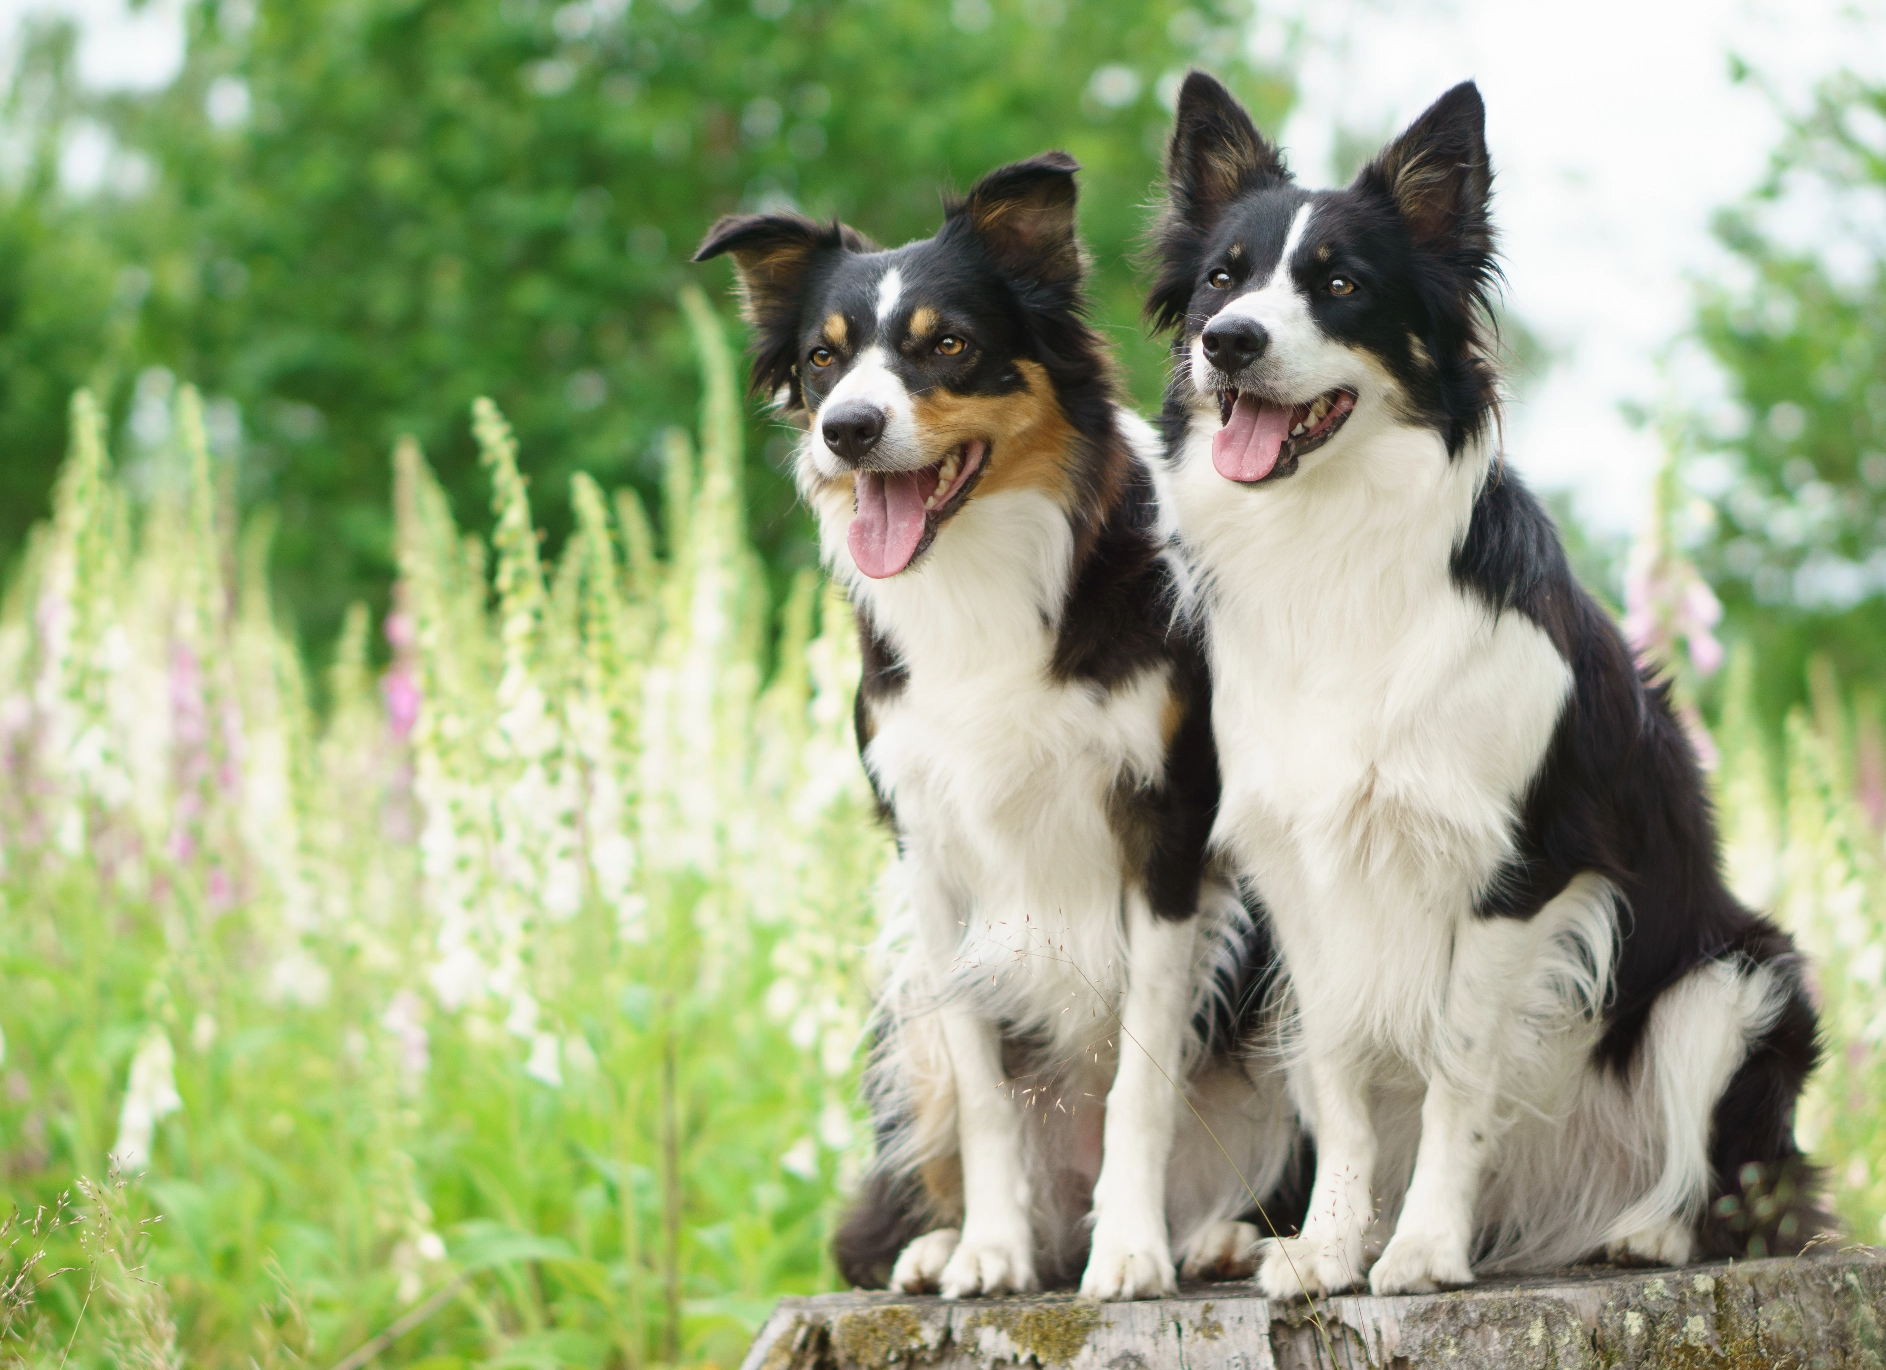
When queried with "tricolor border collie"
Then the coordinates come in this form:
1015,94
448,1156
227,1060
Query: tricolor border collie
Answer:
1062,1043
1527,1021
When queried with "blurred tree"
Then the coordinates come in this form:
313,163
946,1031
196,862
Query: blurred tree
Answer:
1796,467
65,303
363,213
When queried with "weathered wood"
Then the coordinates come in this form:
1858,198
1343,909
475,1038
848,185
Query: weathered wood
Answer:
1818,1312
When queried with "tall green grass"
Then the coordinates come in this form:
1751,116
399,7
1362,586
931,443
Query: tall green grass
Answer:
527,981
505,1011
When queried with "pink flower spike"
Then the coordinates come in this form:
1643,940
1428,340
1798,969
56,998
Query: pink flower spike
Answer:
1705,651
1700,604
401,693
399,630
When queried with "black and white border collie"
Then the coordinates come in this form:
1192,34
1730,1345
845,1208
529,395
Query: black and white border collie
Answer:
1527,1021
1070,989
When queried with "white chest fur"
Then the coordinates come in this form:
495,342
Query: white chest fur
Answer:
1377,727
1000,774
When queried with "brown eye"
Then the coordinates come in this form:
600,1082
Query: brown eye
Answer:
950,345
821,357
1219,279
1341,285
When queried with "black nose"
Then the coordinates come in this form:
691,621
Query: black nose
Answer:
853,429
1233,344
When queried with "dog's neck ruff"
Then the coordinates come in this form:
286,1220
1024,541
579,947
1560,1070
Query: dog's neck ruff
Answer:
999,770
1355,534
988,594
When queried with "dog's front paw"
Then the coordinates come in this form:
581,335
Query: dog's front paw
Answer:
1128,1266
1308,1268
1669,1242
1421,1263
1221,1251
919,1266
989,1264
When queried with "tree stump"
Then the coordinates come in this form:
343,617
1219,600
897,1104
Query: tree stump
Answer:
1817,1312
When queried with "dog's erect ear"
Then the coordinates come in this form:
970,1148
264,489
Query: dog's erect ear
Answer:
1216,153
1023,214
1438,176
774,254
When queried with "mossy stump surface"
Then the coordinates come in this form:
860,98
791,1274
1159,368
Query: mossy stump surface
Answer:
1818,1312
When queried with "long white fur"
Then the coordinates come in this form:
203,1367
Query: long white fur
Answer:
1015,908
1377,729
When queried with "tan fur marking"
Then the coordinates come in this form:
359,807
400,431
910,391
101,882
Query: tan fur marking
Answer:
765,270
1237,251
1325,252
1224,169
1170,719
923,322
836,330
1031,443
943,1186
933,1122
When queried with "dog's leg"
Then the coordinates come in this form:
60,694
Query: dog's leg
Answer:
1433,1243
1460,1118
1330,1254
997,1249
994,1250
1131,1256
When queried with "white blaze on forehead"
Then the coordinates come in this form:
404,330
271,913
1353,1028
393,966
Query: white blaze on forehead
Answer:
1292,240
889,288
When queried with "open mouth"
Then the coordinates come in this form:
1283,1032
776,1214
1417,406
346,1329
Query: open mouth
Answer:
1261,439
898,512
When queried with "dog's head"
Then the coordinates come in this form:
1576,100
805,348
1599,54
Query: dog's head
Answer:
1301,312
926,376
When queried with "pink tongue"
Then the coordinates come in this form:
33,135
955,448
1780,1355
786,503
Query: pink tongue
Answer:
1246,448
889,523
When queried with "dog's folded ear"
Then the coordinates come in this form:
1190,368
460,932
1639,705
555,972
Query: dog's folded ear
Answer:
774,253
1216,153
1023,214
1438,176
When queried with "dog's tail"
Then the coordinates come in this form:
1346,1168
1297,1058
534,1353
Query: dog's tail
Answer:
892,1212
1765,1198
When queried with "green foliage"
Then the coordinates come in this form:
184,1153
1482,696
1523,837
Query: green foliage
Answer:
364,213
509,1016
1797,549
1812,851
512,1010
66,309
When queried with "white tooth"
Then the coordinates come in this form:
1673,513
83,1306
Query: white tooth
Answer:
1299,430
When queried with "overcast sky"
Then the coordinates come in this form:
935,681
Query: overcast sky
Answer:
1615,130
